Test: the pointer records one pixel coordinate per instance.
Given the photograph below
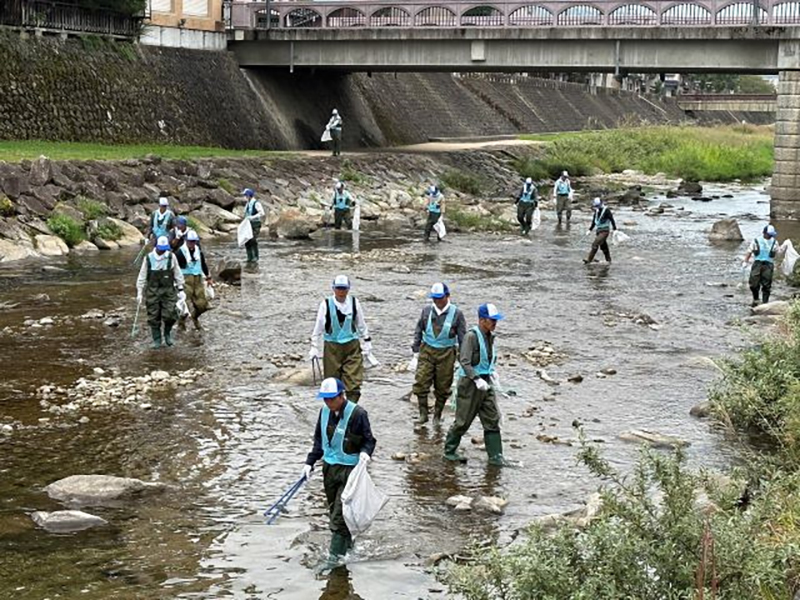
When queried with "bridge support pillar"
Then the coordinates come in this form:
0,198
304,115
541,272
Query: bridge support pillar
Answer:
785,190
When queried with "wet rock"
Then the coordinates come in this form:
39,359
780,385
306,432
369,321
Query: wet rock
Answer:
130,235
105,244
93,314
85,247
294,225
490,504
690,188
652,438
46,321
577,378
66,521
543,354
99,489
50,245
553,439
12,251
546,378
777,308
159,375
398,456
229,272
726,230
459,503
297,376
701,410
113,321
579,518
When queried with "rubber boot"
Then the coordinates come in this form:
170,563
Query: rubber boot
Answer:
340,544
764,297
168,334
755,297
155,331
494,448
437,412
196,322
423,411
182,323
451,446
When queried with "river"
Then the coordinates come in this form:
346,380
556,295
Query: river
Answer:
235,440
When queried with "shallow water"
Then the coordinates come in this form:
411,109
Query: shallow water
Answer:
234,441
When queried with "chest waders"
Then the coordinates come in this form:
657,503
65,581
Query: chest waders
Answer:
161,298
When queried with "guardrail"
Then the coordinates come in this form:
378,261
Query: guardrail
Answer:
59,16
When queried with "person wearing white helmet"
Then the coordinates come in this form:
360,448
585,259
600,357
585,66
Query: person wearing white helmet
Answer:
342,439
254,211
334,126
160,285
440,330
341,204
340,325
763,250
562,192
476,389
192,261
603,224
162,220
527,201
435,208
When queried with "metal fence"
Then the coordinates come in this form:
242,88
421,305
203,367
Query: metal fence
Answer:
60,16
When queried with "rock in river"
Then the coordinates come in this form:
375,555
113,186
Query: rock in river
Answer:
777,308
99,489
726,230
66,521
652,438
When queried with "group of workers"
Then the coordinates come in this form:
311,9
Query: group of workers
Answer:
443,349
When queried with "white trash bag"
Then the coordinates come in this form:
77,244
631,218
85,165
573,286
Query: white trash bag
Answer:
537,219
245,232
357,217
326,135
361,500
183,308
440,229
618,238
789,258
209,290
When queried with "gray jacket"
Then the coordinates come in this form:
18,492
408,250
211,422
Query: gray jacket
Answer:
458,330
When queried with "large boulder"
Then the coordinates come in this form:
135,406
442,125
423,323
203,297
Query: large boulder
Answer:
229,271
66,521
130,235
216,217
221,198
50,245
726,230
99,489
11,251
41,171
690,188
777,308
652,439
302,375
294,225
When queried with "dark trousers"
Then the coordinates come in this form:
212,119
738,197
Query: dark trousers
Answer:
345,362
600,243
562,204
433,218
435,369
525,215
342,215
334,478
761,278
336,141
252,245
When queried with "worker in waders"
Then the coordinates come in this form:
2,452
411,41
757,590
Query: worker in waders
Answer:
342,438
603,224
562,192
160,286
254,211
193,265
440,330
526,202
435,208
476,389
342,204
764,249
162,221
340,323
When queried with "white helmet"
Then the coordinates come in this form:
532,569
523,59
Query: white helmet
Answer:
339,185
597,202
529,180
335,112
564,174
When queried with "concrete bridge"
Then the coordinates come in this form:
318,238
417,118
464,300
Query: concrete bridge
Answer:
766,103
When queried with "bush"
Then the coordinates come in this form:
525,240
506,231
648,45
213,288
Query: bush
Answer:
468,183
6,207
109,231
470,220
91,209
67,228
350,173
226,185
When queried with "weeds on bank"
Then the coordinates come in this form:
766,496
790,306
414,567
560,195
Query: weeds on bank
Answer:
466,219
91,209
349,173
694,153
226,185
468,183
67,228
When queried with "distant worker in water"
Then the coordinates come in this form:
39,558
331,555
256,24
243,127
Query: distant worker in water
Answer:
440,330
253,210
161,221
602,224
527,201
563,193
160,286
763,250
342,204
435,210
193,265
334,127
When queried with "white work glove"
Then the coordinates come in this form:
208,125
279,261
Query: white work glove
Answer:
412,364
366,348
313,353
364,457
745,264
307,470
139,296
181,296
481,384
588,232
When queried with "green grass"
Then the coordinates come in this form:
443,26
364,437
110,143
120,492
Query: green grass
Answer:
469,183
91,209
693,153
465,219
109,231
226,185
67,228
6,207
14,151
350,173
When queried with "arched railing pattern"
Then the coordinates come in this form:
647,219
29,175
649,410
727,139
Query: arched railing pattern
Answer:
347,17
435,16
530,16
580,15
482,16
686,14
786,13
633,14
302,17
739,13
390,16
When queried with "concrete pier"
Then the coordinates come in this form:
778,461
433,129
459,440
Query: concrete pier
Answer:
785,191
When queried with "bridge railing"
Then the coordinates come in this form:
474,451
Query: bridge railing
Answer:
337,14
59,16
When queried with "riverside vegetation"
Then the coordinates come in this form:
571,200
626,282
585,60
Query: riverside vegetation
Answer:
669,533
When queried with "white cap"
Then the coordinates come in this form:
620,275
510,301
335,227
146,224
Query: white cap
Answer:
597,202
335,112
191,236
339,185
330,388
163,201
529,180
341,281
432,190
162,243
564,174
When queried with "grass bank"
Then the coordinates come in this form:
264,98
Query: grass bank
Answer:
720,153
665,531
14,151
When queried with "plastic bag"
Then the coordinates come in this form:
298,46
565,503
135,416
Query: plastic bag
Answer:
209,290
440,229
326,135
245,232
183,308
618,238
537,219
361,500
357,218
789,258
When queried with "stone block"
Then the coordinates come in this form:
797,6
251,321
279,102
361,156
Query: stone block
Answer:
787,127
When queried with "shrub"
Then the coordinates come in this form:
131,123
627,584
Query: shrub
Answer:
470,220
350,173
91,209
469,183
6,207
227,186
67,228
109,231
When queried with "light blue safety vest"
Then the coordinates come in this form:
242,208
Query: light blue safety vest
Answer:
443,340
341,334
193,267
250,209
160,222
434,205
599,224
163,265
527,194
562,188
765,248
340,201
485,366
333,450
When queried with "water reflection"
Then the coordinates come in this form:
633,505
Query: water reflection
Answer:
339,586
